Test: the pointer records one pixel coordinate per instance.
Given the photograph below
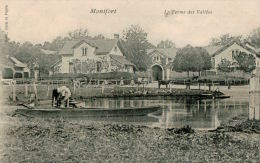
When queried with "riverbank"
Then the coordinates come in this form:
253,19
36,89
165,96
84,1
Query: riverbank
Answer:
23,92
37,140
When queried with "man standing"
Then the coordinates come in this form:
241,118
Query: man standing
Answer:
65,95
62,93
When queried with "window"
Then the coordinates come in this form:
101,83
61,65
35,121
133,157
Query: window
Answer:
18,69
84,51
99,66
7,73
18,75
235,52
71,67
26,75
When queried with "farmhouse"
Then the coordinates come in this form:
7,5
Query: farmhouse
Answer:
161,68
230,50
12,68
92,56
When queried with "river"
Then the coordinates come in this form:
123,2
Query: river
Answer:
199,114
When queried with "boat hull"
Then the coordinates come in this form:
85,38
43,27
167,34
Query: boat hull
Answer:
88,112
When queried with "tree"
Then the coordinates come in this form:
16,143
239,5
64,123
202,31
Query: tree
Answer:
225,39
254,37
135,44
206,58
99,36
166,44
188,59
245,61
224,66
78,34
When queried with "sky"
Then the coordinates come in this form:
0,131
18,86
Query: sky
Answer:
38,21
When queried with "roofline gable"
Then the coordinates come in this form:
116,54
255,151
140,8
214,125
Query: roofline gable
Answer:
232,43
155,50
80,42
116,43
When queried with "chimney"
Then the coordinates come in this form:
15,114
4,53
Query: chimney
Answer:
116,36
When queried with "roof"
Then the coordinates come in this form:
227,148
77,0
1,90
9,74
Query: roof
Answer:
168,52
240,44
257,50
48,51
12,62
56,63
17,63
103,46
121,59
212,49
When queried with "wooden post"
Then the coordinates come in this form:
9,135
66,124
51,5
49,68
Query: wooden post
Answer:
102,88
48,89
26,90
35,90
74,87
54,102
14,91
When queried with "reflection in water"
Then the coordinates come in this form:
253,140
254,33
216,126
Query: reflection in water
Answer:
254,103
203,114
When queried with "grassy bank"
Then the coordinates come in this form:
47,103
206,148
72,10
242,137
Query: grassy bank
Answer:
36,140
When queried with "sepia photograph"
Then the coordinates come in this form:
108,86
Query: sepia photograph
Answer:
129,81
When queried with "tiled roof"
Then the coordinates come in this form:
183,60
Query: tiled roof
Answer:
168,52
103,46
257,50
121,59
17,63
233,42
56,63
8,61
212,49
48,51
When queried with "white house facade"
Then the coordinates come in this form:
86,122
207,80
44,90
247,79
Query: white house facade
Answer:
229,51
162,58
92,56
